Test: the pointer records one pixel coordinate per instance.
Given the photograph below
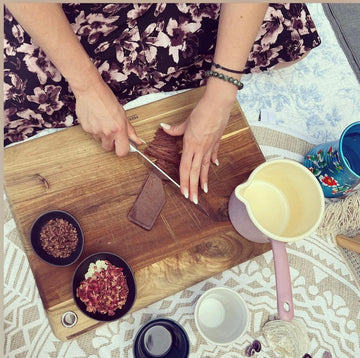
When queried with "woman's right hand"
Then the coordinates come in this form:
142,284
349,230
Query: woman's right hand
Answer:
97,108
101,115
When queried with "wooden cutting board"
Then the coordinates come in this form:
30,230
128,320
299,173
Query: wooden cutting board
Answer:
70,171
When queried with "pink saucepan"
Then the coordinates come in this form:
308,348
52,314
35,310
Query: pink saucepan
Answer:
282,201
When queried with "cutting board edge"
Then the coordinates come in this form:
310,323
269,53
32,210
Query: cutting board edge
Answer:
160,268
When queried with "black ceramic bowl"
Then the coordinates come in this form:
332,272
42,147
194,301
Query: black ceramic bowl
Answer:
36,243
161,337
79,275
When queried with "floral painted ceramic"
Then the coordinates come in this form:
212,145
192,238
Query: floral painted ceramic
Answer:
337,164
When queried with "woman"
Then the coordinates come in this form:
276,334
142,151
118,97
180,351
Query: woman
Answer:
79,63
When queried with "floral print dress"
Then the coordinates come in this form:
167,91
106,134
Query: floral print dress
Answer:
138,49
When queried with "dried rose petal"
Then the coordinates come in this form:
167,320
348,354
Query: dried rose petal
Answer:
256,345
104,292
249,351
253,348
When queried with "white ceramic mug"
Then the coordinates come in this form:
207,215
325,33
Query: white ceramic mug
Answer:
221,315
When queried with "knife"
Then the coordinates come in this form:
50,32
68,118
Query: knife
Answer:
134,149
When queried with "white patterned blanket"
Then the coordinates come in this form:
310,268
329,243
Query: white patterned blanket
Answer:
313,102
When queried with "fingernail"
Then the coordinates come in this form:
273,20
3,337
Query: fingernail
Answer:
195,199
142,140
217,162
165,125
186,193
205,188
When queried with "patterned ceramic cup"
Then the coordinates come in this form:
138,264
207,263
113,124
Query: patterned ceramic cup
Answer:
336,164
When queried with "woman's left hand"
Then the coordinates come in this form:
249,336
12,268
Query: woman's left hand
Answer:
202,132
238,27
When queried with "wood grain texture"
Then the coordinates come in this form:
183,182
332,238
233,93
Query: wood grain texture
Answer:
68,170
350,243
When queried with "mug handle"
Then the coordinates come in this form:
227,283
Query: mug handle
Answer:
283,281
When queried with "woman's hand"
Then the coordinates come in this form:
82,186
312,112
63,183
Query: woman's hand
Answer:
97,108
238,27
202,132
101,115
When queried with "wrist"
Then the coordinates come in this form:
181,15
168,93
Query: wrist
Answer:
88,77
217,66
236,82
220,91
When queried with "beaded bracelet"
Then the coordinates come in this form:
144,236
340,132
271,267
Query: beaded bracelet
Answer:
232,80
216,65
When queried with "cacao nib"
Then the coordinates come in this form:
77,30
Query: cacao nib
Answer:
59,238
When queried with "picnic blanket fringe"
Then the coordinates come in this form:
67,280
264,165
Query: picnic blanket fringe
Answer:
342,216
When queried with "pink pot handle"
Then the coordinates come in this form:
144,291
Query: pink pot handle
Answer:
283,281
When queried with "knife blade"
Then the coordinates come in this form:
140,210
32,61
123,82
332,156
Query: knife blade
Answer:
134,149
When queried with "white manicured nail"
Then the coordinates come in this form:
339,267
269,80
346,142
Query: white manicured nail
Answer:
195,199
186,193
217,162
205,188
142,140
165,125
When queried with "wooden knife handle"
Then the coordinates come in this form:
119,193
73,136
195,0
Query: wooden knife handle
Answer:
351,243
